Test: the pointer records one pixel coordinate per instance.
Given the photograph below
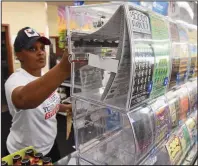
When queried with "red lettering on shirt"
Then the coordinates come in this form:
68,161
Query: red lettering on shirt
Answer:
52,113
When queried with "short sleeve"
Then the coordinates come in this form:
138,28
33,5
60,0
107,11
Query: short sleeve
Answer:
14,81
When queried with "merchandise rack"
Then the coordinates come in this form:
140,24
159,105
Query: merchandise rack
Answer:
137,88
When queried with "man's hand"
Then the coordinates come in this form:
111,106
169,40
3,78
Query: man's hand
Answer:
66,108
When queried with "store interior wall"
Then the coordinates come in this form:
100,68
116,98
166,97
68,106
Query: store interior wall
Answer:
21,14
52,19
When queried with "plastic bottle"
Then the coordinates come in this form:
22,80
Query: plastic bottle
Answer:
25,162
17,160
4,163
29,154
47,161
38,158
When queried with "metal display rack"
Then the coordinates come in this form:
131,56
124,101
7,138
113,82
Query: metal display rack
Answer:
136,99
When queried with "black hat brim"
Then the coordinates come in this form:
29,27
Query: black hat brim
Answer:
42,39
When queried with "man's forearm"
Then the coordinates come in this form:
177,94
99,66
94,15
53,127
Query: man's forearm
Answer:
39,90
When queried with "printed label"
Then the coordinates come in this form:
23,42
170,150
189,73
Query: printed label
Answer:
140,22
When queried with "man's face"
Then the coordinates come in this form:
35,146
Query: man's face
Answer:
34,58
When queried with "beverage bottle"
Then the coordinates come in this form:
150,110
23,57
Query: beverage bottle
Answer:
25,162
47,161
17,160
29,154
4,163
38,158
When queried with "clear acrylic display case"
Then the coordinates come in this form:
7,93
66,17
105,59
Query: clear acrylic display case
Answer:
184,52
89,18
192,33
143,126
194,116
182,101
192,92
162,119
184,112
98,57
193,61
120,65
159,157
107,136
192,129
122,111
174,107
180,62
184,138
103,135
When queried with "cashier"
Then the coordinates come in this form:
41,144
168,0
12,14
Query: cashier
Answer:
32,98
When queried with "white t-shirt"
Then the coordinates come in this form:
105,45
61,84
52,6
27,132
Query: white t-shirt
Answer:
32,127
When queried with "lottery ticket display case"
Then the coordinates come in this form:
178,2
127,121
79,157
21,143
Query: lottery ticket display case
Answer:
134,86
